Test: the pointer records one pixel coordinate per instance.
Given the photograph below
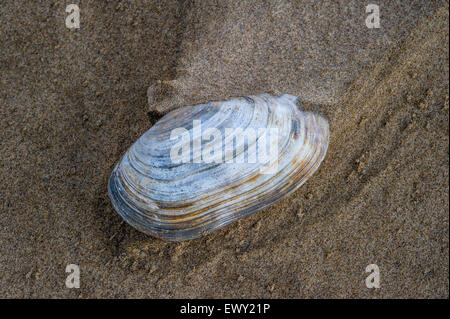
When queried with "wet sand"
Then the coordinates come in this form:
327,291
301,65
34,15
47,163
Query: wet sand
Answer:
72,102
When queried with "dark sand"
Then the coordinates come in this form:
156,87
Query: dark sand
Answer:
72,101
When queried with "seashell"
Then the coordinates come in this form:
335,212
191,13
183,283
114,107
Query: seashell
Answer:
202,167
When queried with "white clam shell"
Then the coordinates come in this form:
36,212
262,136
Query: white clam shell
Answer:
180,201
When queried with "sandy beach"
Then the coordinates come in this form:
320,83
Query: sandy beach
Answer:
72,101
